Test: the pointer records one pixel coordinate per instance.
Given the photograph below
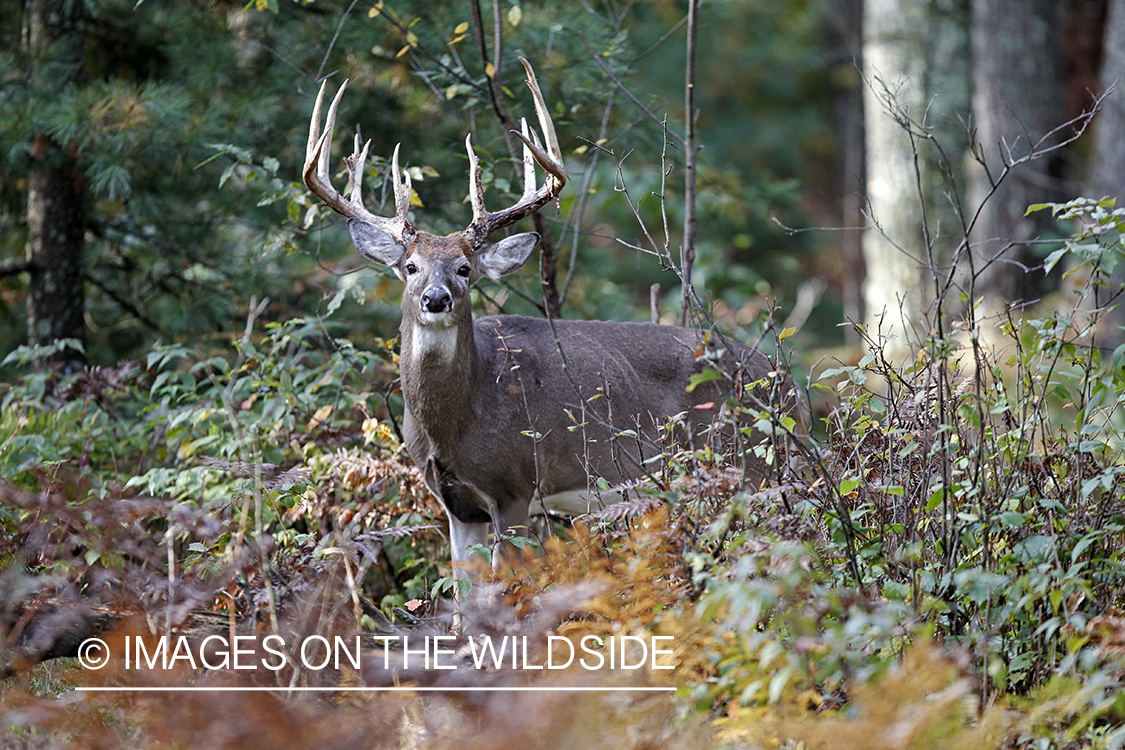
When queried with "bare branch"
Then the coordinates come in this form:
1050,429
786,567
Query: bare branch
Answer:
617,82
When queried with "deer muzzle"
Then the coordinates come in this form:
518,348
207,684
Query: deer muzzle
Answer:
436,300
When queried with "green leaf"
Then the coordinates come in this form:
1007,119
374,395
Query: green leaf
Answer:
1012,519
1054,258
337,299
699,378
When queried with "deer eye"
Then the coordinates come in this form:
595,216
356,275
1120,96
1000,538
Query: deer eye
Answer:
411,268
464,271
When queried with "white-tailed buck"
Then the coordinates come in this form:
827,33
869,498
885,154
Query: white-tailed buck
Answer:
508,415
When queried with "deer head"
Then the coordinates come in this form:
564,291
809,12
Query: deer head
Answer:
438,270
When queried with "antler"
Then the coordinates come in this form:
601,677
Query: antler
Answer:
319,181
485,222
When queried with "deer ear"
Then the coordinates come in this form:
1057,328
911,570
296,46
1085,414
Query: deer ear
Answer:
375,244
506,255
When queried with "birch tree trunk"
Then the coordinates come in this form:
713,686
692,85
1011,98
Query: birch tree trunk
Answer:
893,65
917,67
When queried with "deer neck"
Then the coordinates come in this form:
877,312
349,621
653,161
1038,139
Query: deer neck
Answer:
439,368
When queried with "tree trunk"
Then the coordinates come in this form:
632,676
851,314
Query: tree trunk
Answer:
846,24
55,208
54,248
1107,173
691,156
1107,176
1017,99
916,65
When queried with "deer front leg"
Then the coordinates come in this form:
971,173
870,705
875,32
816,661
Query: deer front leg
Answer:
468,521
462,536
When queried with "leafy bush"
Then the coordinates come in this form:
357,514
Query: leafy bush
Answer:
281,439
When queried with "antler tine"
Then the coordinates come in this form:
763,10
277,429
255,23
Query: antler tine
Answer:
311,146
402,186
528,163
485,222
476,186
317,176
356,163
553,162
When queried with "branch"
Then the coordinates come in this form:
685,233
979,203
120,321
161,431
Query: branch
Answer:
125,305
461,75
15,268
617,82
495,92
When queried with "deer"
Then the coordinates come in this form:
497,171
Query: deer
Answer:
507,415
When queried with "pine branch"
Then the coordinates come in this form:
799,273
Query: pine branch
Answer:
14,268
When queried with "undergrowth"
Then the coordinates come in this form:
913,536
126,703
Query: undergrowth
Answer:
944,571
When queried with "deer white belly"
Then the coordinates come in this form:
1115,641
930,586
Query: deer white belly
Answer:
575,502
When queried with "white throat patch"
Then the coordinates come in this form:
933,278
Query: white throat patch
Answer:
435,339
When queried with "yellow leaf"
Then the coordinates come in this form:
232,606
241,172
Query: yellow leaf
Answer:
320,417
403,51
515,15
451,91
457,39
415,200
490,70
461,27
375,10
786,334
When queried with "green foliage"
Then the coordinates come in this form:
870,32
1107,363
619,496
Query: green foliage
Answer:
183,117
970,508
986,489
279,433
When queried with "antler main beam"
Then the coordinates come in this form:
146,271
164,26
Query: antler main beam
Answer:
318,179
550,159
547,153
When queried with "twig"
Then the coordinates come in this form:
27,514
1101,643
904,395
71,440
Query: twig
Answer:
617,82
332,44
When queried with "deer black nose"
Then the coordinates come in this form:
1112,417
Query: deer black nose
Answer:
436,301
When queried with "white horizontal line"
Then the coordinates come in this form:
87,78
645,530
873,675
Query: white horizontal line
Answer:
364,689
